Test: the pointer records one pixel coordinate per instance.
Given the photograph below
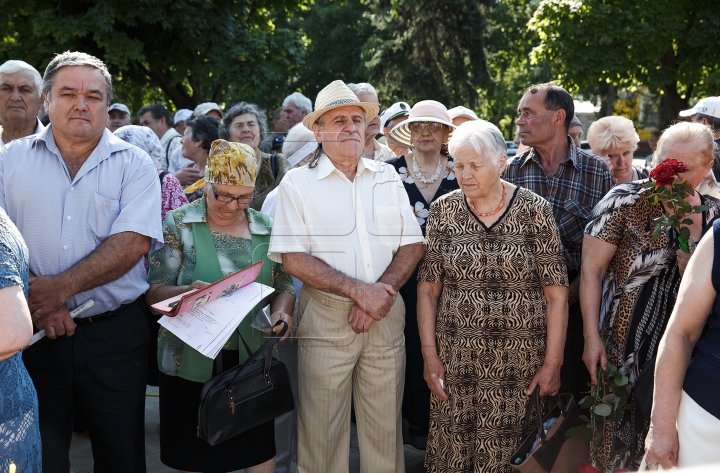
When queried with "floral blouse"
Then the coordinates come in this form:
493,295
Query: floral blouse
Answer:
174,264
420,206
172,194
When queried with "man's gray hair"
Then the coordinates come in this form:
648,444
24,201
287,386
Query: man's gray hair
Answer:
75,58
482,135
299,100
242,108
362,88
13,65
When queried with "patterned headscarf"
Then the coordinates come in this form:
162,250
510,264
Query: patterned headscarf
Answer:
144,138
229,163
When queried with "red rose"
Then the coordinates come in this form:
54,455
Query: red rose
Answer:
664,173
588,468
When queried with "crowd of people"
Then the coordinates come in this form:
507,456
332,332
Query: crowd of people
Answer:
430,282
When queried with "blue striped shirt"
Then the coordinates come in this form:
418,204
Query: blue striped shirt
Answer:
63,220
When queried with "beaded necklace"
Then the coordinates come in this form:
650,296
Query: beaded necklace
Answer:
502,202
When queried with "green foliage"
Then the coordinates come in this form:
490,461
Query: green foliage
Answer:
663,44
189,51
606,401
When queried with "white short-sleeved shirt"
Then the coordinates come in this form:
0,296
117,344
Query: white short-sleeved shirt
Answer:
354,227
63,220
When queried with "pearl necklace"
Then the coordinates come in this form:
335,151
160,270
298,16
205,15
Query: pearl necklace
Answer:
502,202
419,175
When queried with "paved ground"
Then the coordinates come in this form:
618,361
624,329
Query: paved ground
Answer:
81,455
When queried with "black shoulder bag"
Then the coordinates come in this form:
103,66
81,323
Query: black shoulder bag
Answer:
274,165
245,396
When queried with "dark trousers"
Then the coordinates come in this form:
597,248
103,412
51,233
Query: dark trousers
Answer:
574,376
101,370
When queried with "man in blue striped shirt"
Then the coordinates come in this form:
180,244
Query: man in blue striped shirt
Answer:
86,204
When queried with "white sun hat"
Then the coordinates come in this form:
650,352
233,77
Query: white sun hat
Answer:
423,111
335,95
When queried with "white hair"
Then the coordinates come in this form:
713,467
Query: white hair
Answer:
13,65
297,137
299,100
482,135
362,88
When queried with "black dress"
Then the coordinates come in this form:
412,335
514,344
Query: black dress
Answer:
416,400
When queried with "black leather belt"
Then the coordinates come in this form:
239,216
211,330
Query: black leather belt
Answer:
101,317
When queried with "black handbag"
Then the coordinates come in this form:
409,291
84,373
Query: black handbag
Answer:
556,452
245,396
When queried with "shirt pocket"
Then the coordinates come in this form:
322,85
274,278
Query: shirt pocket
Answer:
389,225
103,212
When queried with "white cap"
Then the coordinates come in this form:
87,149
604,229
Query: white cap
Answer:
461,111
206,107
398,109
119,106
708,106
182,115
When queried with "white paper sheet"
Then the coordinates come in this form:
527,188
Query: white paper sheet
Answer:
207,328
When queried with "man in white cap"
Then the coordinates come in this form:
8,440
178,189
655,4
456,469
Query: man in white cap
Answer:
180,118
345,228
118,115
707,112
20,90
461,115
397,113
210,109
373,148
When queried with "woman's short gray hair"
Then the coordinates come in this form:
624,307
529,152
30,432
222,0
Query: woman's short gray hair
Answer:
362,88
482,135
610,133
241,109
13,65
685,132
75,58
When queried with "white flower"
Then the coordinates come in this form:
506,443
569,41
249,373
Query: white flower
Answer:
420,212
405,176
450,170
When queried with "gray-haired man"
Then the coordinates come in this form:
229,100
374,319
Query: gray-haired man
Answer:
86,231
295,107
20,85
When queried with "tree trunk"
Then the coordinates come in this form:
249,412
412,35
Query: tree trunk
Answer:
671,104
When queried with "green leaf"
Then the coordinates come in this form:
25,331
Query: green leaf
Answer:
603,410
657,232
586,402
621,380
588,434
584,418
684,233
700,208
575,431
687,221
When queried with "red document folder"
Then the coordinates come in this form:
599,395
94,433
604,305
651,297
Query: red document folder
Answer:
198,297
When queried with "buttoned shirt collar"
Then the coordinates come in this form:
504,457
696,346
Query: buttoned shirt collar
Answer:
326,167
196,212
571,156
108,144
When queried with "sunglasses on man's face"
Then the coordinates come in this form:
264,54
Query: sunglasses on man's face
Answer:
432,126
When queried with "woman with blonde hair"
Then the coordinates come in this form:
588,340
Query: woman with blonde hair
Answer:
629,282
615,140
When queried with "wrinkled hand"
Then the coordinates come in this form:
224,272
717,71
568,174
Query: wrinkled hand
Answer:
376,300
594,353
359,320
682,258
277,316
46,294
548,378
199,285
433,372
662,446
189,175
57,323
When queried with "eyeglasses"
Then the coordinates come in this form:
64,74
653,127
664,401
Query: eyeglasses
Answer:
432,127
226,199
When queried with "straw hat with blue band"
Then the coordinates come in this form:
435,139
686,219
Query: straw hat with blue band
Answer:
335,95
229,163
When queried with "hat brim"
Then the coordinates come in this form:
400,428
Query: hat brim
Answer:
401,131
688,113
371,111
401,113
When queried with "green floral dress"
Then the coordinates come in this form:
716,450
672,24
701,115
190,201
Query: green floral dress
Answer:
174,264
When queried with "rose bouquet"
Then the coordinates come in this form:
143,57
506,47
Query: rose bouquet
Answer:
664,187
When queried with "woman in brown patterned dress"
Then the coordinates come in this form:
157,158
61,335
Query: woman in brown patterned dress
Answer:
629,282
492,308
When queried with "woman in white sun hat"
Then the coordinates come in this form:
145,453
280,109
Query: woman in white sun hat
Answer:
427,173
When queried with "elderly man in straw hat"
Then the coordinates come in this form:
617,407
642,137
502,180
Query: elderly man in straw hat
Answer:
344,226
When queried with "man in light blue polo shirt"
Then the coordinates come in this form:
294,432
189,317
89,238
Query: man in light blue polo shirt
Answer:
86,203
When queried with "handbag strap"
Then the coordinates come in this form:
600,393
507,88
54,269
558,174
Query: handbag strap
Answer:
534,400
